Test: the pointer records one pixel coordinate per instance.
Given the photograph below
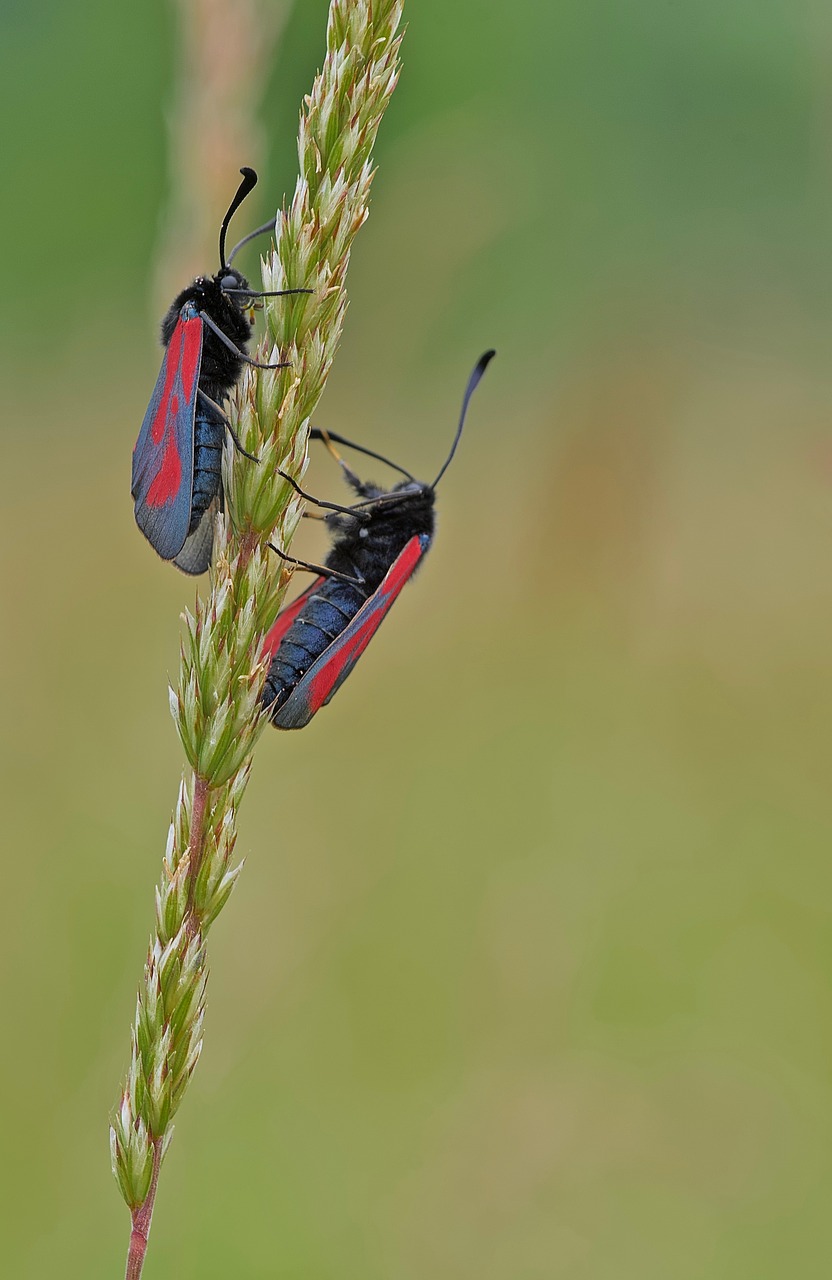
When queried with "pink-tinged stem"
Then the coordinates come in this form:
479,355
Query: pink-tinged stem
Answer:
142,1218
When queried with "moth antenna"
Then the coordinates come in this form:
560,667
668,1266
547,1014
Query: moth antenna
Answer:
248,184
268,293
473,382
252,235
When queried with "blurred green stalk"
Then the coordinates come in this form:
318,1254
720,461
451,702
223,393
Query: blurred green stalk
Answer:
217,705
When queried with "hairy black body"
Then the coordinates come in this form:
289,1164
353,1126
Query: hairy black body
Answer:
365,546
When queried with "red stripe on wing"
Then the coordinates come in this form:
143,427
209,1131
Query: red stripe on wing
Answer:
343,653
191,355
322,684
173,356
163,459
167,480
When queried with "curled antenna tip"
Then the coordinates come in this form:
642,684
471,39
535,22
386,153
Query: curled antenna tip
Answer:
248,183
474,382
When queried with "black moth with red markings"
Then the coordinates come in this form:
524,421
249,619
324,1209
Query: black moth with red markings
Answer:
177,461
378,545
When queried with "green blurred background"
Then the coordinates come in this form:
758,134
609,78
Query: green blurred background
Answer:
527,976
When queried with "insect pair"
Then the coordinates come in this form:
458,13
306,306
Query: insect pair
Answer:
177,486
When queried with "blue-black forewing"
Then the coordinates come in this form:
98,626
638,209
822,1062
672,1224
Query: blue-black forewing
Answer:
197,550
163,459
325,677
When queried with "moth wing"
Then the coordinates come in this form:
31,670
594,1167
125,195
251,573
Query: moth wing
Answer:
198,547
163,459
325,677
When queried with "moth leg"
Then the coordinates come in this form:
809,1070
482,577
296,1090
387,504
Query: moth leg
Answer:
329,506
319,569
223,416
271,293
320,433
226,341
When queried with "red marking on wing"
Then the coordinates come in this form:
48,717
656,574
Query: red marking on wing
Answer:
402,567
322,684
173,356
285,619
190,355
168,478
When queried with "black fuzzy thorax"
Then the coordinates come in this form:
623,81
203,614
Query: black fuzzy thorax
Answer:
221,369
366,548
